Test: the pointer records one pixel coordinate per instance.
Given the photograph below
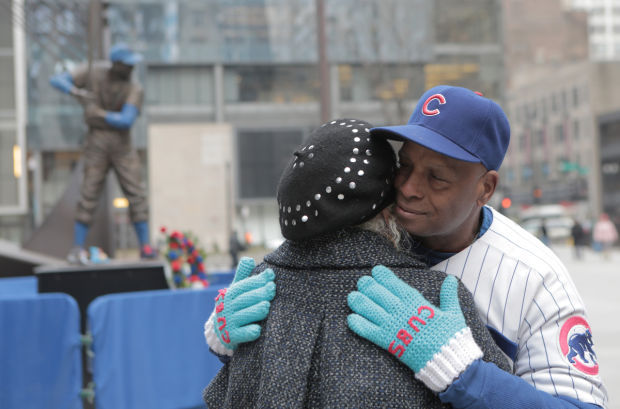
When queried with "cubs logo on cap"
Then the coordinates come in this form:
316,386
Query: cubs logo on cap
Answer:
438,98
458,123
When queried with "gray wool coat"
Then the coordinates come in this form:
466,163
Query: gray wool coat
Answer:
307,357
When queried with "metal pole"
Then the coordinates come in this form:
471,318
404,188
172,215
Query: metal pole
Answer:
324,80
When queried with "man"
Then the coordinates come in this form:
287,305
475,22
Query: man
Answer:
453,146
112,103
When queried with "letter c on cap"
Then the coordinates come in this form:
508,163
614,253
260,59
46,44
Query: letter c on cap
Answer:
433,112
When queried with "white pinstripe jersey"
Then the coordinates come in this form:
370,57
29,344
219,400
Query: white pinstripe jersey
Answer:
523,291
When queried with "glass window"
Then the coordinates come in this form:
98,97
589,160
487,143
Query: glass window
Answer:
540,138
481,73
276,30
262,156
575,97
378,30
559,133
274,84
179,85
576,130
380,82
467,21
526,173
564,101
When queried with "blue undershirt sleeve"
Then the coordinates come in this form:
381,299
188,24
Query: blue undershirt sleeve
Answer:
123,119
223,358
62,82
484,386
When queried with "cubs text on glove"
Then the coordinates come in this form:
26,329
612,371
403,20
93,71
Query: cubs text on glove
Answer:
435,343
239,307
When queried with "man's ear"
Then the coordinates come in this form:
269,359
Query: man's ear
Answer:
488,183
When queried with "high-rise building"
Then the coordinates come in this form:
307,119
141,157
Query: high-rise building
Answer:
603,27
562,109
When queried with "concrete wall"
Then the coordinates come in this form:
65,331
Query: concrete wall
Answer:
190,176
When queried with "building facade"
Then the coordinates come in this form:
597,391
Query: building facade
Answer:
13,188
552,156
603,27
562,107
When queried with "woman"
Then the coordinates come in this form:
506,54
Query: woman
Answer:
333,202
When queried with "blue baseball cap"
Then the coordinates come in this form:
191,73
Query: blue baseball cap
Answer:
458,123
122,53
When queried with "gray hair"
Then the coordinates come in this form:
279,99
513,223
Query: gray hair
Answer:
386,225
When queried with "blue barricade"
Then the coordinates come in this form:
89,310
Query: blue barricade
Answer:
149,349
40,350
18,286
221,278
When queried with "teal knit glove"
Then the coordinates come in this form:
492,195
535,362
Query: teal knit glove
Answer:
240,306
435,343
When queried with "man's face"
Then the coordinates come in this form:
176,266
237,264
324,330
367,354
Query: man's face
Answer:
121,71
438,198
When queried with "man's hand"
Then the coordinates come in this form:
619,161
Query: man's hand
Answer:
84,96
240,306
435,343
92,110
94,115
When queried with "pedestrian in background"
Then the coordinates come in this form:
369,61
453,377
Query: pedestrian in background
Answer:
605,234
544,234
579,238
234,247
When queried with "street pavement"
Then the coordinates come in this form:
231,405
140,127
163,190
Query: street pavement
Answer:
598,282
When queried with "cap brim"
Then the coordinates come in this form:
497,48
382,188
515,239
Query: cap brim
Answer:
132,59
427,138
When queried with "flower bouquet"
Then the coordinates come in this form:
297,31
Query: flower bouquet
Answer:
185,259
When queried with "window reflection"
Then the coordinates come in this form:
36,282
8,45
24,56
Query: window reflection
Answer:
179,85
276,84
380,82
472,22
262,158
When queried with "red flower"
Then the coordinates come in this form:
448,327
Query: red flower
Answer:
176,266
162,229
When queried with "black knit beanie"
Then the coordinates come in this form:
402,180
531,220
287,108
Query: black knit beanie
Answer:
340,176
